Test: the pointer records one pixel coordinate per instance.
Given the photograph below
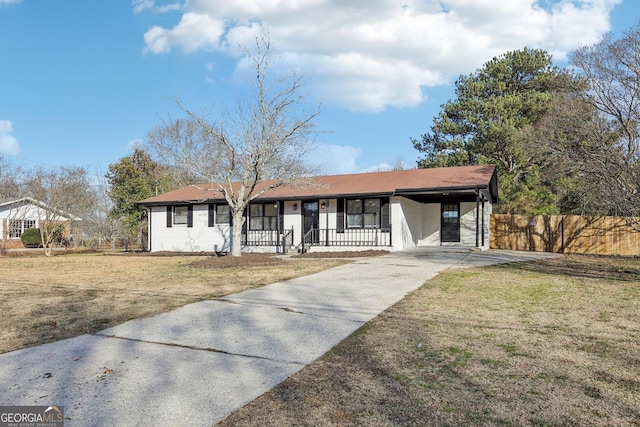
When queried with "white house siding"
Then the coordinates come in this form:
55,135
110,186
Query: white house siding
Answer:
488,210
25,212
180,238
328,216
430,225
293,219
468,223
406,220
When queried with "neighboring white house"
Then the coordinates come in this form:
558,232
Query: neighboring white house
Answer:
382,210
18,215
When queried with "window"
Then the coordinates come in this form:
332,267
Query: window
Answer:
450,212
28,223
223,214
263,216
372,213
18,226
180,215
354,213
15,228
450,225
363,213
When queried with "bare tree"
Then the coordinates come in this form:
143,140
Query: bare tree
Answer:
66,193
11,177
612,68
99,223
10,188
612,151
258,146
395,165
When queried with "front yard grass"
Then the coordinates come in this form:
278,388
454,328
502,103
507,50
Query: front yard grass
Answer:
49,299
548,343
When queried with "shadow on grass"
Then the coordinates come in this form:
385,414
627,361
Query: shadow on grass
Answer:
626,269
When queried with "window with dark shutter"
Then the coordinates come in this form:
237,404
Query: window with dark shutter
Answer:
340,216
244,223
180,215
223,214
263,216
354,213
169,216
211,215
371,216
385,214
366,213
190,216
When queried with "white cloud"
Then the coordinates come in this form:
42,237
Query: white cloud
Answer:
3,2
384,166
142,5
336,159
8,144
193,32
168,8
372,55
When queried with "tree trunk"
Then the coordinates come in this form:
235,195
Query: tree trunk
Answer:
48,248
236,236
45,240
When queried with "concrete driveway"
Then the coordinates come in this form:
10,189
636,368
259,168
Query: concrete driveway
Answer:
197,364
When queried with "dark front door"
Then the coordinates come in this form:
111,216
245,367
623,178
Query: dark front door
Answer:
450,222
311,218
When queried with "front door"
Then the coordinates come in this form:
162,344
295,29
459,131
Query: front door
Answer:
311,220
450,224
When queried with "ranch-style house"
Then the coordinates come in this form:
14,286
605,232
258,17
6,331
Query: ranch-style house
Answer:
393,210
18,215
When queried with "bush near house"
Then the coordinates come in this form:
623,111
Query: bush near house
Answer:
31,238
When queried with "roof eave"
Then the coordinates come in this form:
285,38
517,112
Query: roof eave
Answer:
440,190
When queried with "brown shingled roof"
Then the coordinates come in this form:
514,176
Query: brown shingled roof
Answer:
413,181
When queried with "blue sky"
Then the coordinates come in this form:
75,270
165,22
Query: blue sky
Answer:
82,82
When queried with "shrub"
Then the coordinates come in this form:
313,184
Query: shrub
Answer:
31,238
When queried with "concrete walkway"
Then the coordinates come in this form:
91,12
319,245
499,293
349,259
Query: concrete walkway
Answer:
197,364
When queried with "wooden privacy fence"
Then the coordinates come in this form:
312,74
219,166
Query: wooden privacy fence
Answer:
598,235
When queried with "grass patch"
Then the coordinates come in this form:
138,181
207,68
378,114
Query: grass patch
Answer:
48,299
546,343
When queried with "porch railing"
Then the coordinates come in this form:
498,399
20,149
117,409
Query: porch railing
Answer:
320,237
346,237
268,238
261,238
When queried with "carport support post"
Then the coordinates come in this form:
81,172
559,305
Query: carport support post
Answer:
483,225
477,215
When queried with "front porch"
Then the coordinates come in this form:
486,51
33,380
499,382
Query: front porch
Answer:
324,238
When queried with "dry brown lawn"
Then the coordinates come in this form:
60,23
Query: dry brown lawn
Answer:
48,299
549,343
